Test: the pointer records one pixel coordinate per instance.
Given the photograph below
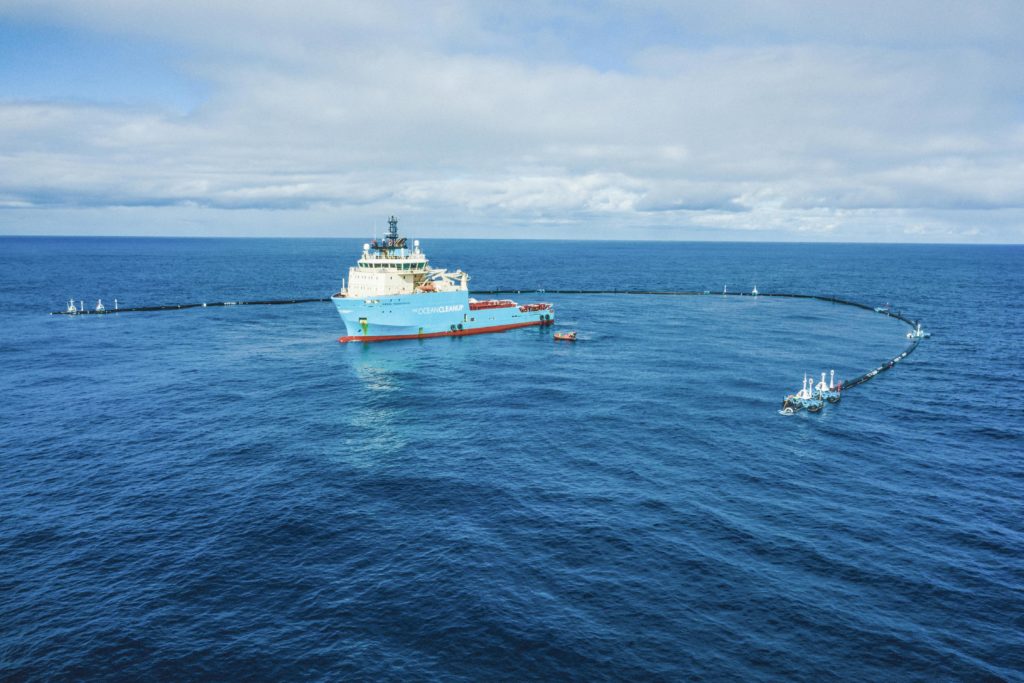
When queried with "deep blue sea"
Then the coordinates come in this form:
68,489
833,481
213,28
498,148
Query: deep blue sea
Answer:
231,494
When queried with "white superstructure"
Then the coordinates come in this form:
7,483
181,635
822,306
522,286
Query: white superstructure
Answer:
391,269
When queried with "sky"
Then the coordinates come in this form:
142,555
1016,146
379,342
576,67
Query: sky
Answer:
756,120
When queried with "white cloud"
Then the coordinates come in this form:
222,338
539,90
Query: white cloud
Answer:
430,109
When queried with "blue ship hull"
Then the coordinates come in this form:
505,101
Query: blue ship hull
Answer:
430,314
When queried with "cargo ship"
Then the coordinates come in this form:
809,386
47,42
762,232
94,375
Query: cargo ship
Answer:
393,293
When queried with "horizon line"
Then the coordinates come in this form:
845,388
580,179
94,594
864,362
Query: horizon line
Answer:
516,239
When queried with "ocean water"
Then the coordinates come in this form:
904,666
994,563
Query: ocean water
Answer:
230,493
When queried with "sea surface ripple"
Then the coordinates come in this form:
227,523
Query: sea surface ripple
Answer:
230,493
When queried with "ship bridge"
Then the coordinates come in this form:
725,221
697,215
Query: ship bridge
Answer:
390,268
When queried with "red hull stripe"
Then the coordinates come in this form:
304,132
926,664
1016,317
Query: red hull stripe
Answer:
455,333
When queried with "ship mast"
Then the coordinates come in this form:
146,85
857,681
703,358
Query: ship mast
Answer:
391,240
392,230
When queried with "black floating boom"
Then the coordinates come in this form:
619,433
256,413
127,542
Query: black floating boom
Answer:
175,307
847,384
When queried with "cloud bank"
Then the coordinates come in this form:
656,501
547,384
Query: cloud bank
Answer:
619,120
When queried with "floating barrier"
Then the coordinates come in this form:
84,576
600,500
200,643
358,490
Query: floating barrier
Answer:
915,336
100,310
